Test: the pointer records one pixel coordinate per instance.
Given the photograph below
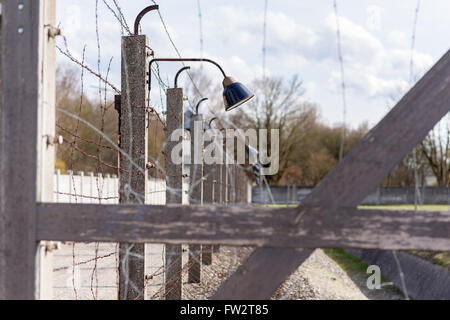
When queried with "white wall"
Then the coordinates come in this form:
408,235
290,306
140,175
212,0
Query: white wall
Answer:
95,188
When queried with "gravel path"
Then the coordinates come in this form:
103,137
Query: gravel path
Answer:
319,277
330,282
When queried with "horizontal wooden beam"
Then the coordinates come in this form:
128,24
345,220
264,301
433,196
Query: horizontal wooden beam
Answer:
303,227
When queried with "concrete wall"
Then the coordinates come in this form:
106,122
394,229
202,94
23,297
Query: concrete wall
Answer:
95,188
423,280
72,280
381,196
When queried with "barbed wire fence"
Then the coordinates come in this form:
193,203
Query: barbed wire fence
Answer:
91,270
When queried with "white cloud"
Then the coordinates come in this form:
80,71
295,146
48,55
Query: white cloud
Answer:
372,69
398,39
299,41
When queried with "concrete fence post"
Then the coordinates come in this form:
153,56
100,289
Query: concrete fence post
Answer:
133,174
196,191
174,188
208,196
217,172
223,182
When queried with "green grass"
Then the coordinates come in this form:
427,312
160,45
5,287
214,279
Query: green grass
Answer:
349,263
346,261
439,258
279,205
427,207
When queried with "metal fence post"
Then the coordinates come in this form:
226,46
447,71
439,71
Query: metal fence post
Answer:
133,139
174,189
196,191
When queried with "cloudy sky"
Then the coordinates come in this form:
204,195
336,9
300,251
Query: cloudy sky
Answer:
301,40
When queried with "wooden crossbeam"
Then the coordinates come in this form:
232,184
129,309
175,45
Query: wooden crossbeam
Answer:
355,177
306,227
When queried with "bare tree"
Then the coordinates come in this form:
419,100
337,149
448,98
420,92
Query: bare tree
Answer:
279,105
83,149
435,148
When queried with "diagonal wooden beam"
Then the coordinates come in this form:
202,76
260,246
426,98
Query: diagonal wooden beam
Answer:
249,226
356,176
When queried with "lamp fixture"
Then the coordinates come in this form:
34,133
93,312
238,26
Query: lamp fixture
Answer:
234,94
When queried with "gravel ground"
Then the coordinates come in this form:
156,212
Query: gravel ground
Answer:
318,278
330,282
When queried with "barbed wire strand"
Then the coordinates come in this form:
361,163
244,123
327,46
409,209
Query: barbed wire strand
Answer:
343,84
264,45
417,195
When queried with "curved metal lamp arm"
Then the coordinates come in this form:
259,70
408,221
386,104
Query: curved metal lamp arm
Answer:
210,121
216,118
178,74
198,105
180,60
141,15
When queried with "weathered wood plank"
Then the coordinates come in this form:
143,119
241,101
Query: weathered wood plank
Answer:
21,30
133,139
365,166
249,226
